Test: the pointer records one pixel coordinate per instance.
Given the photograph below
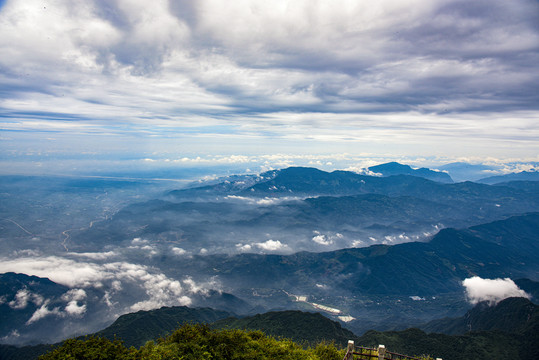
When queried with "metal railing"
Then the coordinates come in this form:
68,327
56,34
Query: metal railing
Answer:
363,353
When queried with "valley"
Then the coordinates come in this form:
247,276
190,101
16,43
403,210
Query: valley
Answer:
381,253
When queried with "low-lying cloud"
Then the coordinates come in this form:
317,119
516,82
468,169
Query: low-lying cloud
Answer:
23,297
272,245
42,312
155,289
491,290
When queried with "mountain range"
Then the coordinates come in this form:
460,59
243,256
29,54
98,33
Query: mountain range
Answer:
504,248
384,252
394,168
307,209
520,176
509,329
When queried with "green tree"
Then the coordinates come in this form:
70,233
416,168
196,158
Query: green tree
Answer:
90,348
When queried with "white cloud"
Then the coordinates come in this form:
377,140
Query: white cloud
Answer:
42,312
326,239
113,277
201,287
243,248
161,291
178,251
21,300
267,201
491,290
322,240
139,241
60,270
23,297
74,294
271,245
73,297
94,255
358,243
74,309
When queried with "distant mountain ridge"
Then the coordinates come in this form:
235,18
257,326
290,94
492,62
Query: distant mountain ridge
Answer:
395,168
503,248
461,171
520,176
300,200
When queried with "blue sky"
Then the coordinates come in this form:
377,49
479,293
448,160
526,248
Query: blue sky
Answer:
127,83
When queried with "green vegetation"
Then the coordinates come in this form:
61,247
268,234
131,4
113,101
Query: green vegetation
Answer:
195,342
304,328
136,329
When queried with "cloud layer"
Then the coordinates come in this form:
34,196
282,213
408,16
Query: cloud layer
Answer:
212,72
147,287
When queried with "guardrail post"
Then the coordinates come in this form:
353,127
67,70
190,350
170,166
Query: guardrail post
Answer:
381,352
350,350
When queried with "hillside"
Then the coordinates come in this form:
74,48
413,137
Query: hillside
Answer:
504,248
301,327
509,328
517,316
135,329
512,315
21,296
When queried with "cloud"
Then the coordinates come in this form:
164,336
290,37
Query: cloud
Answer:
322,240
161,291
264,202
73,297
178,251
326,239
21,300
23,297
42,312
94,255
114,278
279,74
201,287
138,241
143,244
243,248
491,290
74,309
357,243
271,245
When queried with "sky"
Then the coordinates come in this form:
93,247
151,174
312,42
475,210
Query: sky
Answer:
126,84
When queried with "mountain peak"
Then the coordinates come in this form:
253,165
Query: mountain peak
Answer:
395,168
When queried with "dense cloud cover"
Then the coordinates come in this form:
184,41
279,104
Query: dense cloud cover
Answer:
209,73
